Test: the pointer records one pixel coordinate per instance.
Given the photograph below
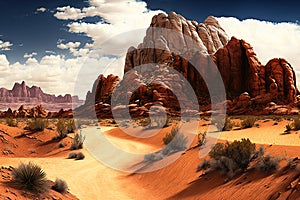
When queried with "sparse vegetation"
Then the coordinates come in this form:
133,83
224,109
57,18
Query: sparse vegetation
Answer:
296,124
151,157
80,156
11,122
178,143
77,142
60,186
239,152
169,136
268,164
288,128
72,155
38,124
76,156
226,165
30,177
223,125
201,138
248,122
203,166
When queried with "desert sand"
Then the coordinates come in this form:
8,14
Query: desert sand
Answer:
90,179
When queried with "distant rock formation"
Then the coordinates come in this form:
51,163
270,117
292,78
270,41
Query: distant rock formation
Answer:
251,87
32,96
35,112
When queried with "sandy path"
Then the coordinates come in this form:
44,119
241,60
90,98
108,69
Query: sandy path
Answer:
89,179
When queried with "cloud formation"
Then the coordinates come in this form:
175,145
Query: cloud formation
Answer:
5,46
123,24
41,9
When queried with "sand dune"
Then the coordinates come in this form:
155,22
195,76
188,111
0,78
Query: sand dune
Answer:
91,179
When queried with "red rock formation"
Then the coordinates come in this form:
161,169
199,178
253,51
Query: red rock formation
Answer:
22,94
188,48
174,34
35,112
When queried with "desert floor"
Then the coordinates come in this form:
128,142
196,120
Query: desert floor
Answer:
90,179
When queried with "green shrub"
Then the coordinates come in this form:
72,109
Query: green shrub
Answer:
60,186
169,136
268,164
30,177
77,142
11,122
248,122
38,124
240,152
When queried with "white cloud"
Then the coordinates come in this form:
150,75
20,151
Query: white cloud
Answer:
41,9
69,45
5,46
54,73
50,52
118,17
67,13
30,55
269,40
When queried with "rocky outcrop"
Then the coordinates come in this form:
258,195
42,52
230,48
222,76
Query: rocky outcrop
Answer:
173,34
35,112
174,43
22,94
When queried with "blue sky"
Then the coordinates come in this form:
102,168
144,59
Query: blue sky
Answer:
49,42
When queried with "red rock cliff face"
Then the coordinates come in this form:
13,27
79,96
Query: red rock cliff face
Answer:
242,72
188,48
21,94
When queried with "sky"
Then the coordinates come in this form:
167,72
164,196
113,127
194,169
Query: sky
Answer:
53,43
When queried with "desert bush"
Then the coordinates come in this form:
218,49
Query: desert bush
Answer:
70,125
11,122
203,166
288,128
61,128
72,155
144,122
240,152
178,143
169,136
77,142
60,186
80,156
223,124
248,122
268,164
151,157
296,124
201,138
38,124
61,145
30,177
225,164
